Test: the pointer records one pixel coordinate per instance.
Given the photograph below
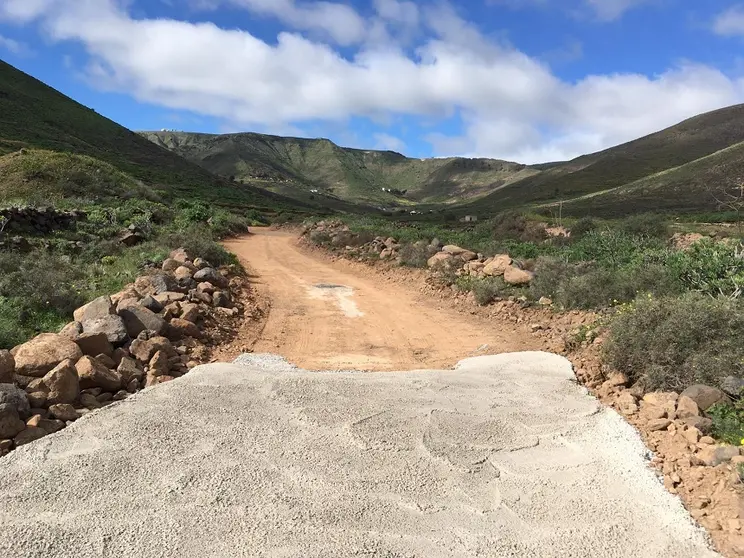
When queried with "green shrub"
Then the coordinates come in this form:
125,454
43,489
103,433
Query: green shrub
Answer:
671,343
611,248
645,224
712,268
728,422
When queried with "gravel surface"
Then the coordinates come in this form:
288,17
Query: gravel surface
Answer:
504,456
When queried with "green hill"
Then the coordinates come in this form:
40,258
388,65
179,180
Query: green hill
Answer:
70,150
676,169
296,166
672,170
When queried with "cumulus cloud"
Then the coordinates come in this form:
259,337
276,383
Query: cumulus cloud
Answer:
511,105
730,22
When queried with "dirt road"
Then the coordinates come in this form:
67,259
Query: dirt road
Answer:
330,315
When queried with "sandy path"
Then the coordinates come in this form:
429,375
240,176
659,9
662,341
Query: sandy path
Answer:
326,315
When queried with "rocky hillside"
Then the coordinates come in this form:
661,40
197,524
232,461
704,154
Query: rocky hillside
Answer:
302,167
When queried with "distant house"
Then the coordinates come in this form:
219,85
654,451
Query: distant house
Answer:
469,219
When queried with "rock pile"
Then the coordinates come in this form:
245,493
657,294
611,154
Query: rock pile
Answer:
439,259
148,333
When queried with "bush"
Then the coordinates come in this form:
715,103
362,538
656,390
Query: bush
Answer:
199,242
611,248
39,280
584,285
583,226
711,268
645,224
672,343
515,226
487,289
550,274
416,254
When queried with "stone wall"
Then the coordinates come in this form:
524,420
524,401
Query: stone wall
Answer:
42,220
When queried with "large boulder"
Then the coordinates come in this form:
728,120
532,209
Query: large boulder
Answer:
159,365
498,265
180,255
7,367
94,374
190,312
63,383
454,250
138,319
93,344
705,396
170,265
98,308
44,352
515,276
183,275
155,284
64,411
180,328
72,330
113,326
128,369
211,275
14,408
29,434
687,408
144,349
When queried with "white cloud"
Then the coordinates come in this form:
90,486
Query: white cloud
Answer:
389,143
337,21
603,10
11,45
608,10
512,106
730,22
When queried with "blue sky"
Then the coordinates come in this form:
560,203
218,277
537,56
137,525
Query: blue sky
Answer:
525,80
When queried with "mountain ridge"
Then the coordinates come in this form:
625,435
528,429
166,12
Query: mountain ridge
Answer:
638,169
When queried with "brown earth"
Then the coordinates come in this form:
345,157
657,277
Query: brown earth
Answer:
335,314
